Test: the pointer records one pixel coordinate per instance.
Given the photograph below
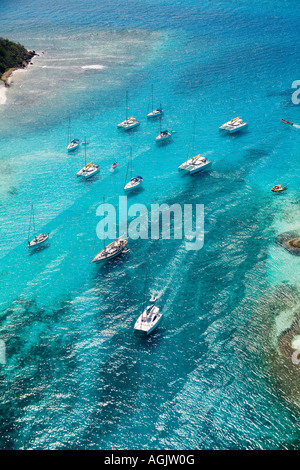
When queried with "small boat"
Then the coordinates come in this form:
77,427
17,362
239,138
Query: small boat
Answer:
199,164
278,188
163,135
114,165
89,169
155,112
149,319
73,145
112,250
288,122
38,239
129,122
234,125
135,181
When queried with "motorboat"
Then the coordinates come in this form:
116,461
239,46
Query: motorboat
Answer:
112,250
233,125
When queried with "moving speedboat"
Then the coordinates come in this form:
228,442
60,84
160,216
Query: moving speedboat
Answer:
149,319
112,250
234,125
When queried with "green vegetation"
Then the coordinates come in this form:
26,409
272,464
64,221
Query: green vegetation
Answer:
12,55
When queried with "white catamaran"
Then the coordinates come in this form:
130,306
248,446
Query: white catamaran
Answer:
194,164
129,122
38,239
150,317
233,125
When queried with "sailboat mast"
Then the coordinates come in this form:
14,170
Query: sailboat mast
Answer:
126,105
152,96
129,164
85,153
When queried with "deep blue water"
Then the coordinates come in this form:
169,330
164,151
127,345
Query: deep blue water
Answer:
217,373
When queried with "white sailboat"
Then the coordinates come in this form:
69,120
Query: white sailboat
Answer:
38,239
89,169
134,181
112,250
155,112
149,318
129,122
72,144
163,135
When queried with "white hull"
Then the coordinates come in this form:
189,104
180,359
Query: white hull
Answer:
72,146
147,324
88,171
127,188
39,241
111,251
197,168
234,125
162,138
154,114
129,124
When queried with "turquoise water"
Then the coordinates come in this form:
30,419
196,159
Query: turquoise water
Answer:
214,375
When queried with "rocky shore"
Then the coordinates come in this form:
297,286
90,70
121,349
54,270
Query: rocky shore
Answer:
26,60
290,241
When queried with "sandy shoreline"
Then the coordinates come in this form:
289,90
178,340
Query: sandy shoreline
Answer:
8,73
6,76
